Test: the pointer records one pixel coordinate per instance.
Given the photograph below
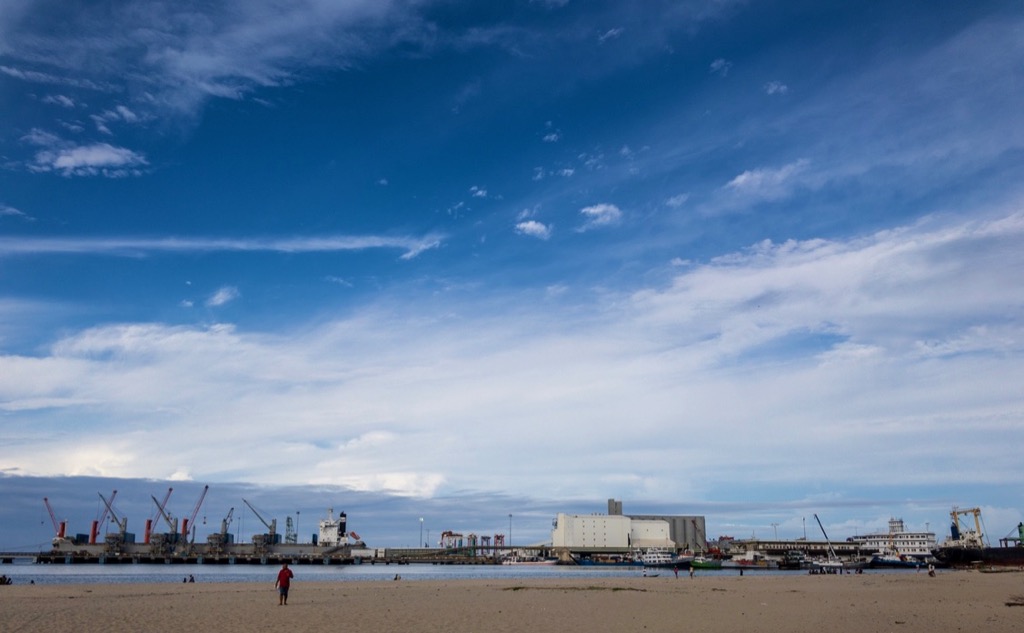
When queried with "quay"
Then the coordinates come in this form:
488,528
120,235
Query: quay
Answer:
291,555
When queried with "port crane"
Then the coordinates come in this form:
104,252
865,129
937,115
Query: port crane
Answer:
225,522
973,538
160,512
190,521
121,522
59,528
263,541
161,509
95,528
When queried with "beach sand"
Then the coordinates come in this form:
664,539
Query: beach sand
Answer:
905,603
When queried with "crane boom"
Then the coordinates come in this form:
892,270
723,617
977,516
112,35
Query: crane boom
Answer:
187,523
163,513
162,505
53,517
226,521
272,526
122,523
107,509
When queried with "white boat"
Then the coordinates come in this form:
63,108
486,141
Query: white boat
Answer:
833,564
657,557
528,560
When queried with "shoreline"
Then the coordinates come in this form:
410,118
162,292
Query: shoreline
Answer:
908,603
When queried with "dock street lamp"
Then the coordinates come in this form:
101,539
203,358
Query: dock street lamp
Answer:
510,530
422,544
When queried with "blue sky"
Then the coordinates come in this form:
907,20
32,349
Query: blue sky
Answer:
745,259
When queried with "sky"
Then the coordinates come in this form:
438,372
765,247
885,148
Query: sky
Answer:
756,260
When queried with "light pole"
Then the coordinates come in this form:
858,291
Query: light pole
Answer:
421,533
298,537
775,526
510,531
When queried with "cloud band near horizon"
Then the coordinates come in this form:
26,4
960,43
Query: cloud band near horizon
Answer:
134,246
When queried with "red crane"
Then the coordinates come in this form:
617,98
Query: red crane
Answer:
94,530
187,523
59,529
159,512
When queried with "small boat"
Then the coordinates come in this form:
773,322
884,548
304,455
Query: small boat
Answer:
833,564
609,560
528,560
897,561
702,562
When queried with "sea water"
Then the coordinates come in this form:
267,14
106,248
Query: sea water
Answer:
51,574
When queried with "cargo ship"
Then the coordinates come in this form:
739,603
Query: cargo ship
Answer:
966,546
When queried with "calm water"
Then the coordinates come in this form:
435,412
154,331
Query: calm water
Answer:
23,573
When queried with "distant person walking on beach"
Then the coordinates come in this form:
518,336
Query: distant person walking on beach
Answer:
284,580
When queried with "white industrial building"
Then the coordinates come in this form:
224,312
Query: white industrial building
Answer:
898,541
575,531
616,531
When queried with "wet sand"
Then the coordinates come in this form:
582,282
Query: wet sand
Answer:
906,603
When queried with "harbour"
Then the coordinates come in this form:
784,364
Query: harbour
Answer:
615,539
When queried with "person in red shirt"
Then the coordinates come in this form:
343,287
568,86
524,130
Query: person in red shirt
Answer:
284,579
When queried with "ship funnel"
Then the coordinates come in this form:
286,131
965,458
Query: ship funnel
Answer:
954,531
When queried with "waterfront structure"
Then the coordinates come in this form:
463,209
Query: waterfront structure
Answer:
616,531
898,541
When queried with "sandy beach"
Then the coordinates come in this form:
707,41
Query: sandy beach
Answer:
907,603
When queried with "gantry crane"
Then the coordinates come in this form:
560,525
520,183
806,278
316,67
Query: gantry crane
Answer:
971,538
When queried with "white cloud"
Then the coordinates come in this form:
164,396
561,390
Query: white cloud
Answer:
763,184
341,281
677,200
610,34
534,228
127,246
720,67
775,87
120,114
70,159
478,192
61,100
600,216
223,296
10,211
552,137
768,351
